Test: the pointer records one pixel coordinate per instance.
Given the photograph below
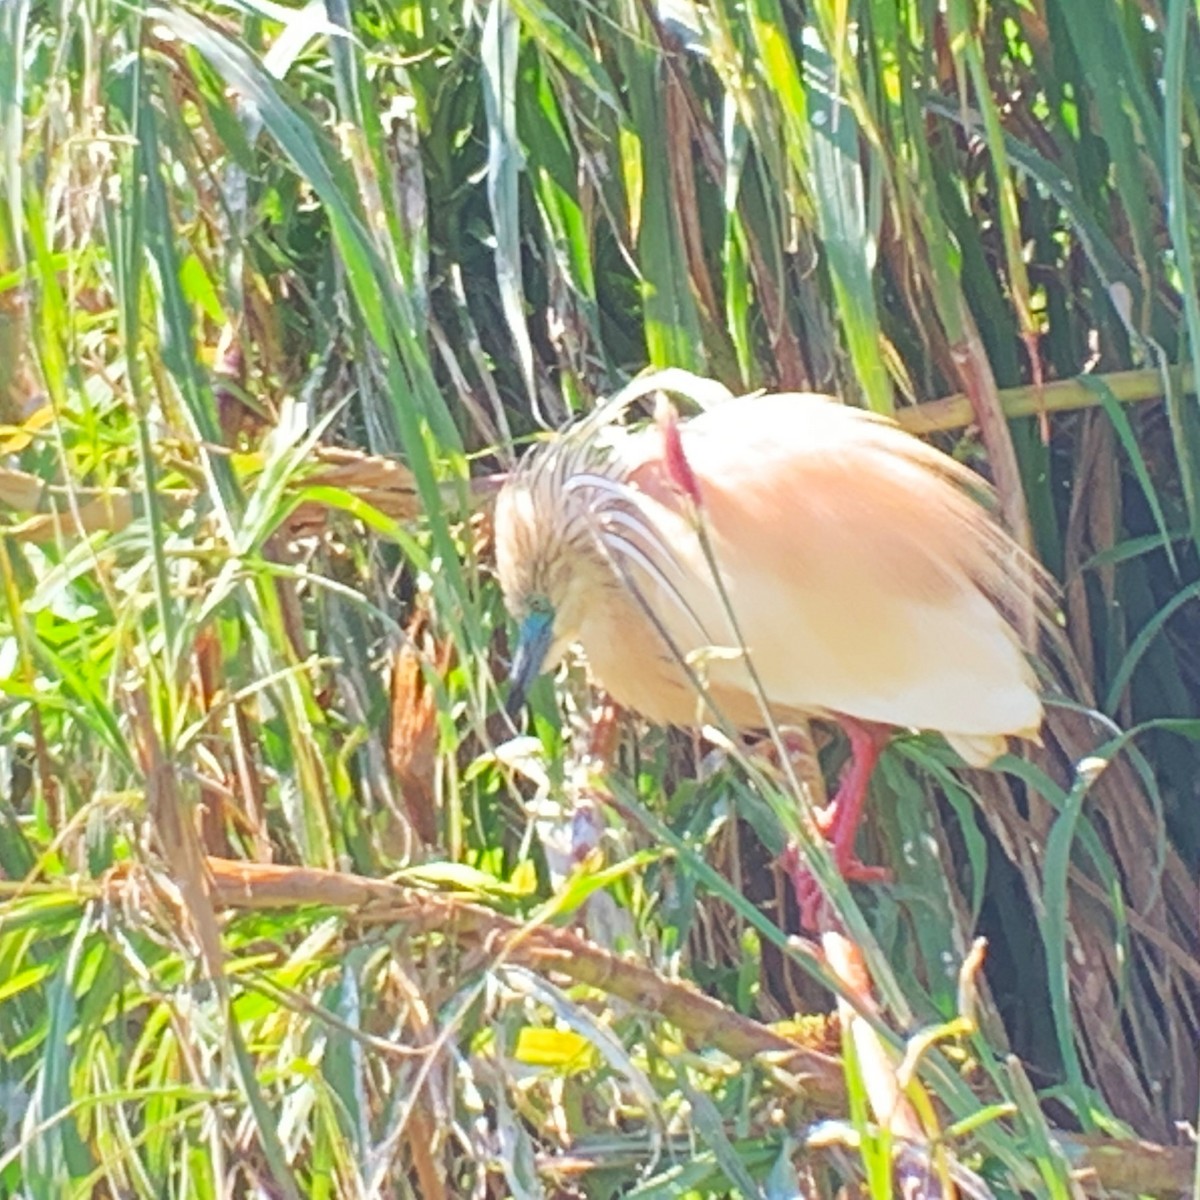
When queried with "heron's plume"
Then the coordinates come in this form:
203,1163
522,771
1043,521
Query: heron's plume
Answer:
568,521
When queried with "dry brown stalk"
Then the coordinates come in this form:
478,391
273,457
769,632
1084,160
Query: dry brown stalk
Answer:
708,1022
1102,1166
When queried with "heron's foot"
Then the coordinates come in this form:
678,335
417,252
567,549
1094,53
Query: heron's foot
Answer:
815,915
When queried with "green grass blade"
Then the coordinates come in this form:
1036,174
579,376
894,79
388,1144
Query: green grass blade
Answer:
499,54
839,188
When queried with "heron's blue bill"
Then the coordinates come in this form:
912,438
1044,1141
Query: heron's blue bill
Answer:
533,643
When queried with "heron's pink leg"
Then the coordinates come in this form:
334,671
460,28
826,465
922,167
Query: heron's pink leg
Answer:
839,822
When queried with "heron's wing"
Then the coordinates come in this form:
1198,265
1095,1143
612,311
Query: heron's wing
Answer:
865,577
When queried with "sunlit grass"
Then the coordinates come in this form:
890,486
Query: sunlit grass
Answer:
233,239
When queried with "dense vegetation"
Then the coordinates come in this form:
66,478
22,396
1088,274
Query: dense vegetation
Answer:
281,290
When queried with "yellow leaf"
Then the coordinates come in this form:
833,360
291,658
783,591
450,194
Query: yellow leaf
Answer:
561,1048
523,881
16,437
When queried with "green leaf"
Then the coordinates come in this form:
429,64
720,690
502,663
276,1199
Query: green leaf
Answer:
839,188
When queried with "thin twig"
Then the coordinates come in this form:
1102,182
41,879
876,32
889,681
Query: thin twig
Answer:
1129,387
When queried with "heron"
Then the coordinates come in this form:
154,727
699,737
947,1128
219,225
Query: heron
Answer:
776,558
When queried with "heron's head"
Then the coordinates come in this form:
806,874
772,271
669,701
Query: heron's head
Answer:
549,570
